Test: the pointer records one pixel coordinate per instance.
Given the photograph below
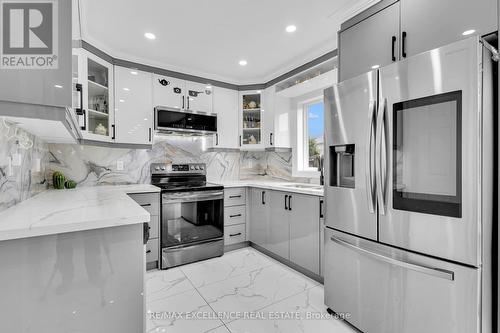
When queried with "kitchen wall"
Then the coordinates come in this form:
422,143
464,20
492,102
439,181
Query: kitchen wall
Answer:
91,165
23,161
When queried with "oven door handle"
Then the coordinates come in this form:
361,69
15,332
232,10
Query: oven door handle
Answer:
192,196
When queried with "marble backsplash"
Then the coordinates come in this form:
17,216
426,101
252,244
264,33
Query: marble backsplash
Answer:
23,162
92,165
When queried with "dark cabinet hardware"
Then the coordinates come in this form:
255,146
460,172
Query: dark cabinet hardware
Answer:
183,101
263,197
289,202
237,215
393,48
146,205
271,139
150,134
321,215
148,251
403,44
114,129
286,198
188,98
232,235
80,111
234,196
216,139
240,140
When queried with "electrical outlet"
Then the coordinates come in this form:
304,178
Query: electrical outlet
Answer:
120,165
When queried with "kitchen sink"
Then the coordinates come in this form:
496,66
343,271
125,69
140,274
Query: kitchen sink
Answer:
305,186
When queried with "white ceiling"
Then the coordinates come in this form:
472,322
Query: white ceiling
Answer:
208,38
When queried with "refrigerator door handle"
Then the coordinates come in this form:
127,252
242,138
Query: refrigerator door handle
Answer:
437,272
380,162
369,177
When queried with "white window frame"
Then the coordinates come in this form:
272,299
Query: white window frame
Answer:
301,159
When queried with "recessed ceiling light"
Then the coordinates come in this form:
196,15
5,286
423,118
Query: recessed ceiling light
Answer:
375,66
126,89
58,86
242,62
290,28
208,86
150,35
259,91
133,72
468,32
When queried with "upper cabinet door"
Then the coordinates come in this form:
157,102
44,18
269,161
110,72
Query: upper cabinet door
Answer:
226,106
198,97
370,43
268,135
134,106
429,23
169,92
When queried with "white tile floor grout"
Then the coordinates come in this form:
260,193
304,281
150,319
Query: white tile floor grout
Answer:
242,291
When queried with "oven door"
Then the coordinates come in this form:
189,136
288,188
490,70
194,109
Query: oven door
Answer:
191,217
429,153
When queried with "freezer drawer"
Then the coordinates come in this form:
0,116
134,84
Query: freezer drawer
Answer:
387,290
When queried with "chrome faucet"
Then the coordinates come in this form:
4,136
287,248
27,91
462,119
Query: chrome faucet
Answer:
321,170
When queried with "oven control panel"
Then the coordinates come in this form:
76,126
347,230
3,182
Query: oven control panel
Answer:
174,168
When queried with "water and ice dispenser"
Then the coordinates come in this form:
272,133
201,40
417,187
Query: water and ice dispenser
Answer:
342,166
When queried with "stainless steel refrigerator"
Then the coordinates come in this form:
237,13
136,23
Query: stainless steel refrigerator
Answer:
409,194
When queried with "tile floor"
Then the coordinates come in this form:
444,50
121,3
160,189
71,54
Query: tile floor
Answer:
242,291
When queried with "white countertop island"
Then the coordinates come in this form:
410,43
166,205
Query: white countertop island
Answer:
74,261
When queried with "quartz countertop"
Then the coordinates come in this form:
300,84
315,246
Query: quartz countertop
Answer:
85,208
276,185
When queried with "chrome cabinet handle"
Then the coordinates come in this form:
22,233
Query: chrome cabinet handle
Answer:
369,165
437,272
379,170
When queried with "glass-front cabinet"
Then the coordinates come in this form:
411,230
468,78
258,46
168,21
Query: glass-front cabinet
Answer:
251,119
93,97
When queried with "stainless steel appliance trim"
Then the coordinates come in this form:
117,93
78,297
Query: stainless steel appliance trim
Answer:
378,156
370,181
437,272
176,197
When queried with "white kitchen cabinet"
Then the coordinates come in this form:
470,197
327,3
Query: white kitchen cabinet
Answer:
251,120
305,231
168,92
225,104
95,76
181,94
276,119
259,216
198,97
134,106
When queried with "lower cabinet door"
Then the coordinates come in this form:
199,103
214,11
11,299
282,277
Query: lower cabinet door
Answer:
278,225
387,290
152,250
259,217
304,231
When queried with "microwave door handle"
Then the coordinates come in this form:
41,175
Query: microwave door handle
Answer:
369,165
437,272
379,164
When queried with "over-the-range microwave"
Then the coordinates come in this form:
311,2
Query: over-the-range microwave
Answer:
168,120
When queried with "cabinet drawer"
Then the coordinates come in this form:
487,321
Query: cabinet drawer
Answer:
149,201
235,196
234,215
234,234
152,250
154,226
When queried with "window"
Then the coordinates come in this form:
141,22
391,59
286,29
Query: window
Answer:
313,113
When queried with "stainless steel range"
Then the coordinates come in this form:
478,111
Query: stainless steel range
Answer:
192,215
